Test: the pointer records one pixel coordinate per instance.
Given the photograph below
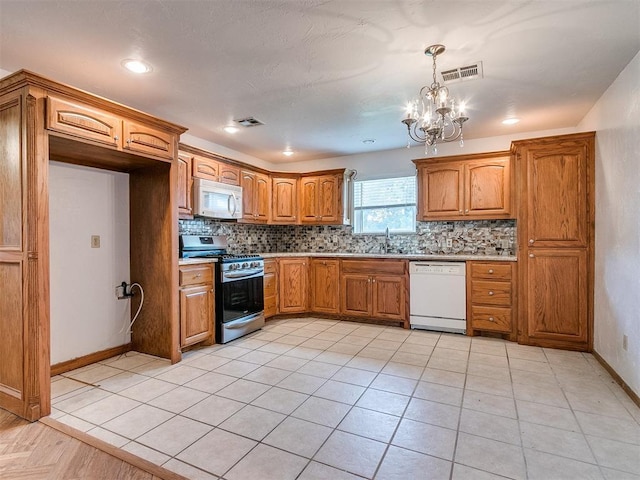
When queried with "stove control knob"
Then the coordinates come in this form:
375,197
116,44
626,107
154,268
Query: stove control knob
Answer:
255,264
245,265
233,266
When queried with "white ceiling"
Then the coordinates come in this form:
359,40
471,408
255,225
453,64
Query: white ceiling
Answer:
325,75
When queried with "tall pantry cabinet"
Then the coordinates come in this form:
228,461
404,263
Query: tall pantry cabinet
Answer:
555,180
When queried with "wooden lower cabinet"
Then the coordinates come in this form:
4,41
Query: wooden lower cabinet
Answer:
270,287
293,283
325,285
491,298
376,289
196,304
557,297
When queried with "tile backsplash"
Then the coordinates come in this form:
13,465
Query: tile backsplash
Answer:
481,237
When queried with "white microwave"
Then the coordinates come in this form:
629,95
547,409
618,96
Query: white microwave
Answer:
216,200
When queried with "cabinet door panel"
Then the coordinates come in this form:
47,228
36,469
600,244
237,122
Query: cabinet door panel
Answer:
196,314
389,297
147,140
293,283
309,200
557,294
184,190
356,295
285,200
248,182
10,175
206,168
442,192
11,332
488,188
329,199
556,199
229,174
263,199
325,286
81,121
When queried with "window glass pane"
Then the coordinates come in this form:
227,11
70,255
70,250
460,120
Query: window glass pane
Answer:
386,203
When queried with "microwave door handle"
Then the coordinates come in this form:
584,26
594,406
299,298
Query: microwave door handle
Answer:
235,205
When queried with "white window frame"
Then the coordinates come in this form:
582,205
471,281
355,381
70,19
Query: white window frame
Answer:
358,211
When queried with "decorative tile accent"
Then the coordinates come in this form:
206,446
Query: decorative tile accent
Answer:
481,237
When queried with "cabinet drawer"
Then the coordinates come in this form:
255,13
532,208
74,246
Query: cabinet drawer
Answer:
229,175
491,318
81,121
269,266
269,285
491,293
196,274
206,168
494,271
375,267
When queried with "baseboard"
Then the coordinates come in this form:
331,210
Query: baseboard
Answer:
627,389
141,463
72,364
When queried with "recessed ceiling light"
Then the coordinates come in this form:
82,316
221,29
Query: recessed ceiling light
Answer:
287,153
510,121
231,129
369,141
136,66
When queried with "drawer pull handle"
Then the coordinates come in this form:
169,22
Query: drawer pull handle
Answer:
491,319
491,270
490,292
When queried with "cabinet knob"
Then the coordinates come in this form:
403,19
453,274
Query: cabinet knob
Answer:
490,293
531,241
491,270
491,319
116,138
531,255
368,280
198,275
466,211
460,211
128,141
374,280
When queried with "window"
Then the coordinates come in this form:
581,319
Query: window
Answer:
386,203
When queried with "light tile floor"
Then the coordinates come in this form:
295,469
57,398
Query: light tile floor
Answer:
318,399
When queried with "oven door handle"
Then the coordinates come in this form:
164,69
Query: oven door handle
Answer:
246,273
241,324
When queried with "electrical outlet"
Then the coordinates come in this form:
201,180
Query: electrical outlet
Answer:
449,242
95,241
625,342
504,244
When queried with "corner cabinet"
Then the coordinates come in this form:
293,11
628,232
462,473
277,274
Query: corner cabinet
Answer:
196,304
465,187
284,199
556,235
293,280
256,196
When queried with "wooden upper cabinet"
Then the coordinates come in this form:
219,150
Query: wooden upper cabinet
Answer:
84,122
440,190
229,174
321,199
206,168
284,199
147,140
325,285
488,187
556,197
293,285
184,191
256,196
466,186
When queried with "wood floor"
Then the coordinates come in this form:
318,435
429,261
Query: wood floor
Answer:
36,451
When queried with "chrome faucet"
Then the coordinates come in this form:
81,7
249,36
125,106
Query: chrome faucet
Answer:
386,246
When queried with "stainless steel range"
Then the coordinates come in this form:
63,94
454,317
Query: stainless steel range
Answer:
239,295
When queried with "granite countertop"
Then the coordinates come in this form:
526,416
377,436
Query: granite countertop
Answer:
401,256
195,261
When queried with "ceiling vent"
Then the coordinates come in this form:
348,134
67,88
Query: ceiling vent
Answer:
462,74
249,122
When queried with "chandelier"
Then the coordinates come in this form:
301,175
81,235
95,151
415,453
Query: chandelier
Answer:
434,117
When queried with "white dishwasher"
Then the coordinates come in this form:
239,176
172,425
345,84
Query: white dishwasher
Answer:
438,296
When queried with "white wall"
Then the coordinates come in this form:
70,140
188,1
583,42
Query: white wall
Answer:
616,118
86,317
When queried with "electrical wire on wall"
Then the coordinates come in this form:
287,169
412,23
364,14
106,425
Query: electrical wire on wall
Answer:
127,328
